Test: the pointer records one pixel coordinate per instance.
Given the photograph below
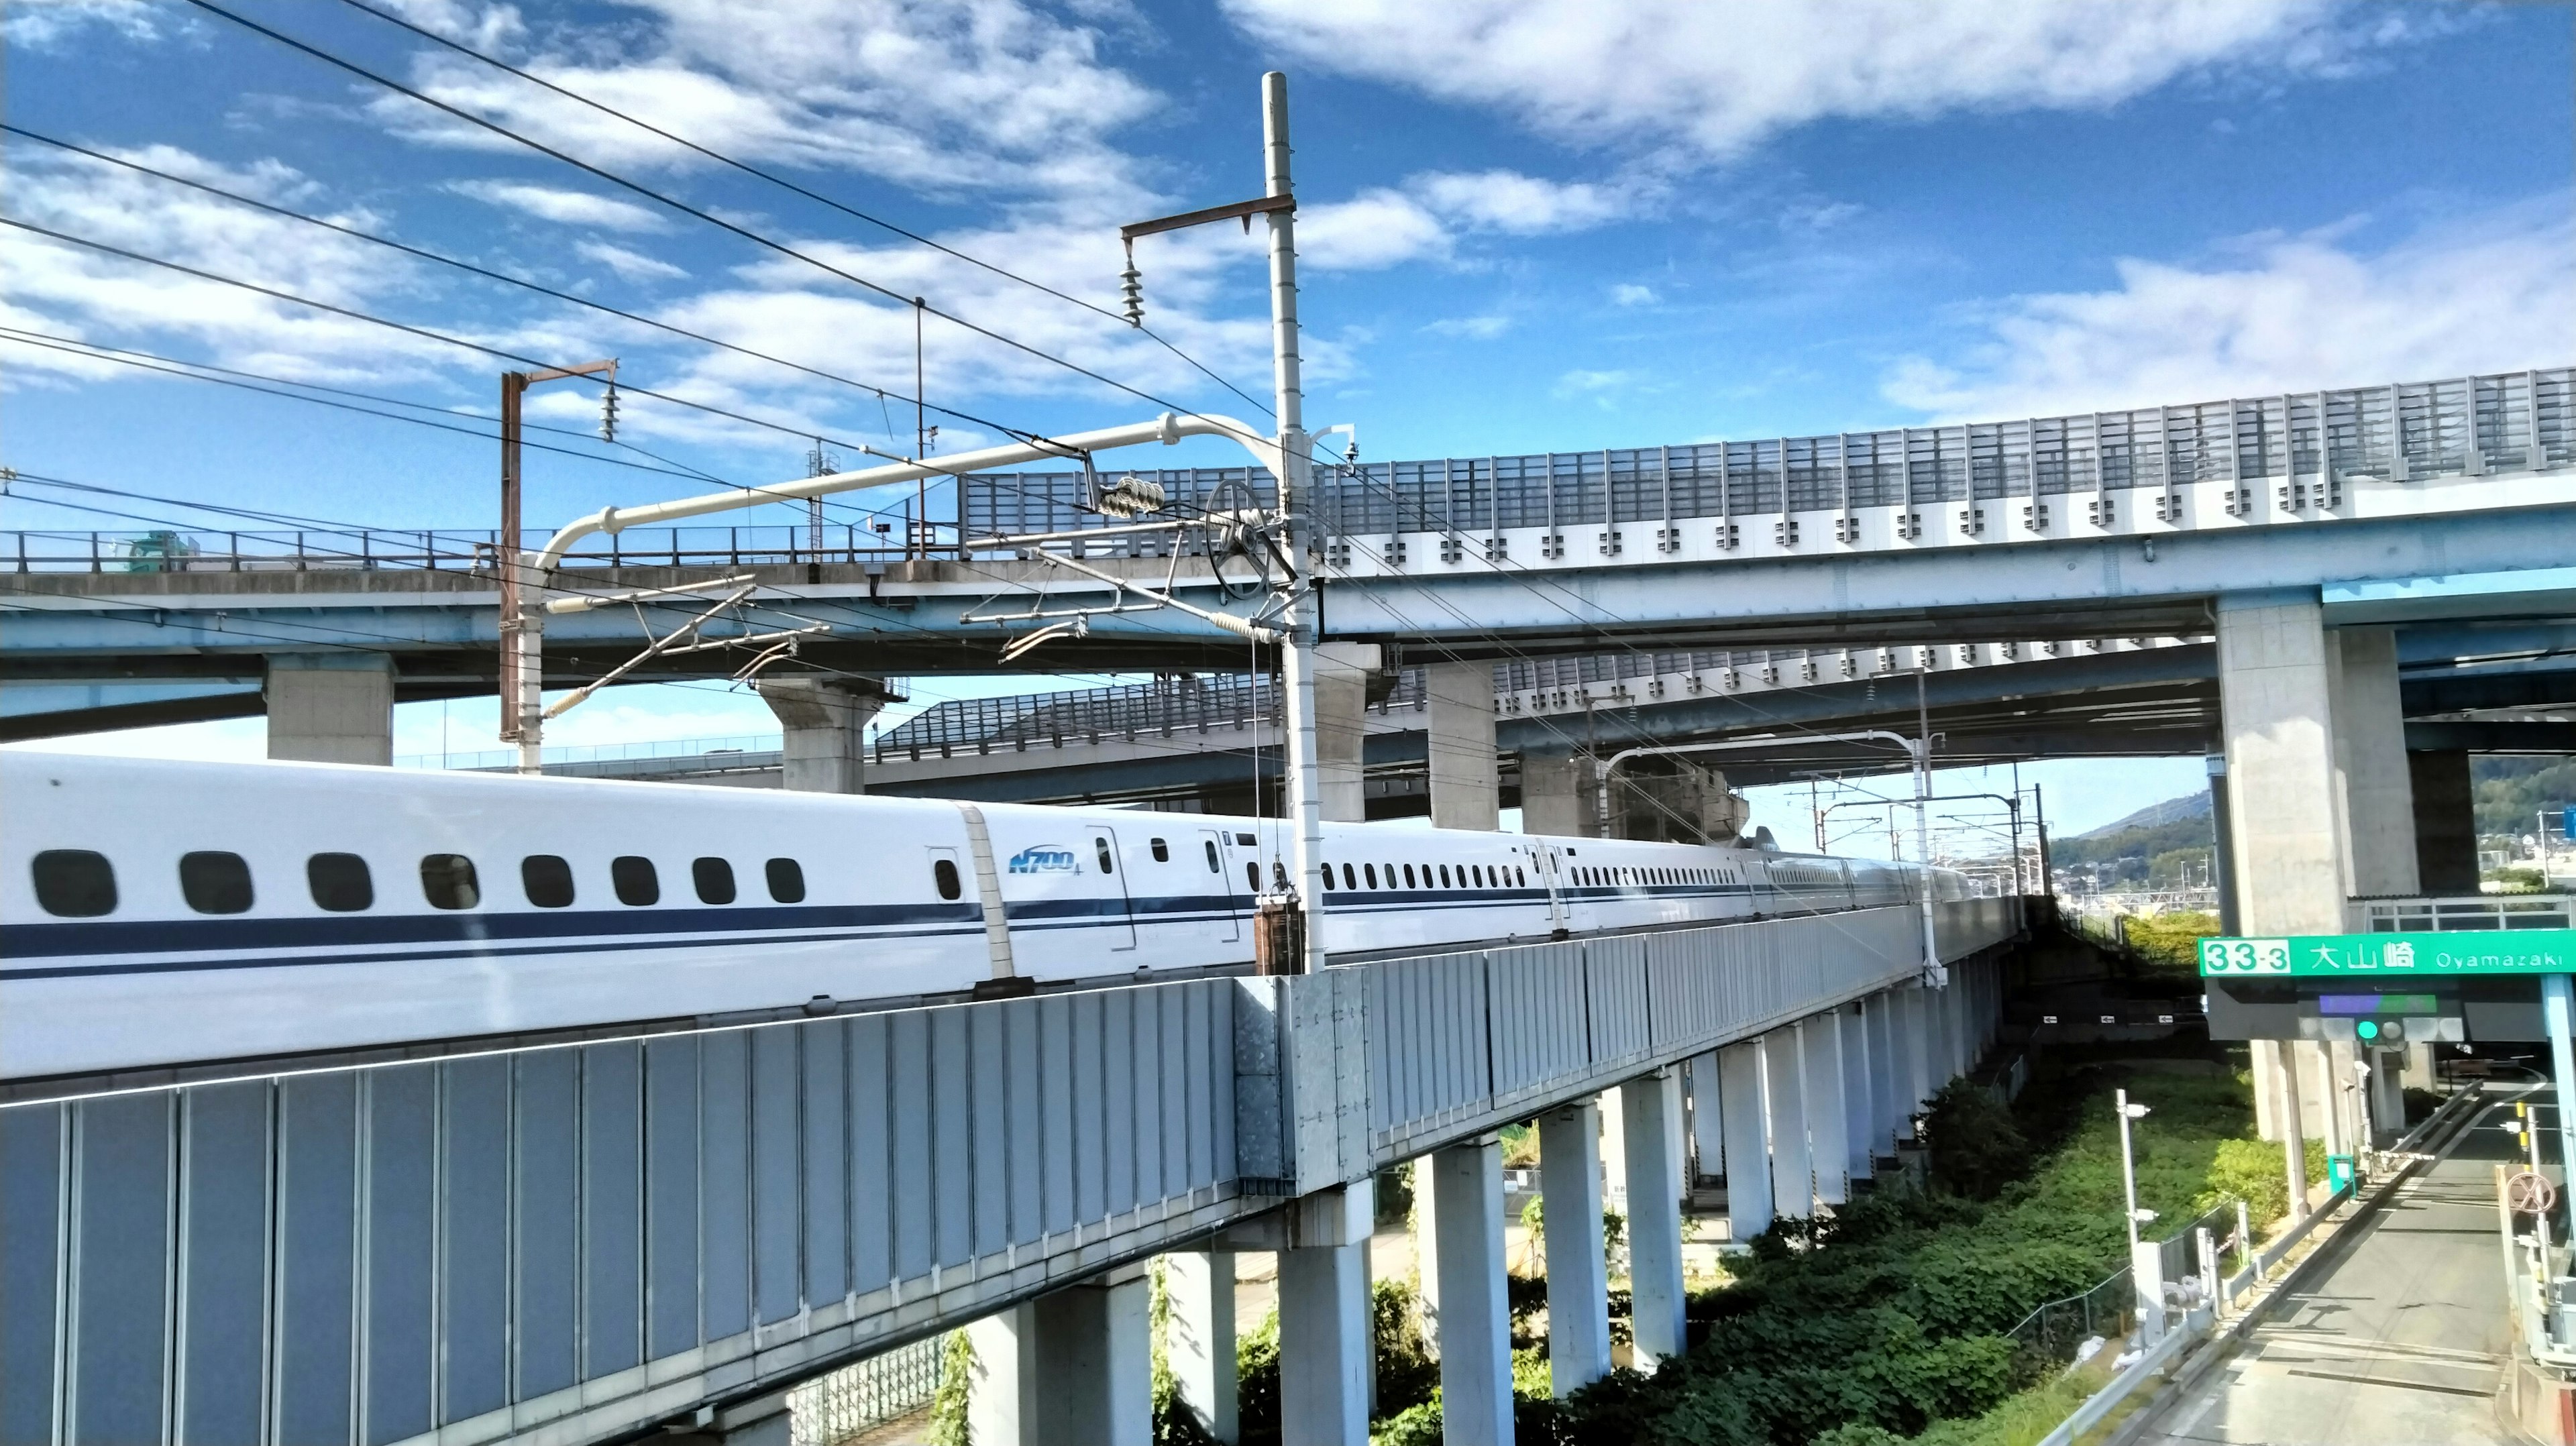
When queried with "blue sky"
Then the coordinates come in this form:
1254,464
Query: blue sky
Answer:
1528,225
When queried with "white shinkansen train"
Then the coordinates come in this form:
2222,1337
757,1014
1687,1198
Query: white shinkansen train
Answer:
163,914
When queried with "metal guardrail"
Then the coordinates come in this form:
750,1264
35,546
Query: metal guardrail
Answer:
850,1401
2407,431
2471,912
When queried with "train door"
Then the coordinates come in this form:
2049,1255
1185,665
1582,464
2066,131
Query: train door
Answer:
1549,865
1121,917
1220,884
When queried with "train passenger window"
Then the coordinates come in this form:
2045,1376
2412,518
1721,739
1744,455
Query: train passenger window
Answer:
1476,875
1213,866
74,883
1244,839
1372,878
1350,877
215,882
714,880
1108,864
1162,852
1523,875
447,881
786,881
1408,877
635,880
547,881
943,872
1444,877
1328,876
1252,877
340,883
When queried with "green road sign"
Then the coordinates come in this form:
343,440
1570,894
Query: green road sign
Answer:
2361,956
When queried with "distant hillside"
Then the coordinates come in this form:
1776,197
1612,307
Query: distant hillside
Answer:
2157,844
2155,815
2510,790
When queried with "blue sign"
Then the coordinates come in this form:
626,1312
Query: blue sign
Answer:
1046,859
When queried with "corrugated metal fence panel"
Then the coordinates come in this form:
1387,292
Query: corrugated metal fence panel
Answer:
1615,981
1536,1025
479,1245
1427,1046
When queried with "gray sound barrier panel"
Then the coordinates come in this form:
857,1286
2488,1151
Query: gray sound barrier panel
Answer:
952,1143
827,1167
1115,1089
400,1203
122,1194
223,1274
1024,1122
1616,972
612,1207
671,1166
872,1178
547,1208
777,1272
31,1204
987,1037
317,1240
1083,1107
724,1183
909,1167
474,1237
1056,1108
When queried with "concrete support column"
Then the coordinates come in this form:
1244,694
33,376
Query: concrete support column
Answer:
2387,1095
1708,1119
2370,751
1557,797
2276,675
2419,1067
1325,1355
1888,1105
2347,1096
1860,1100
2321,1112
1748,1140
1198,1338
2286,1112
2446,822
1072,1367
1466,779
1820,1063
1475,1322
1578,1286
826,726
1793,1170
1654,1218
331,707
2267,1089
1341,727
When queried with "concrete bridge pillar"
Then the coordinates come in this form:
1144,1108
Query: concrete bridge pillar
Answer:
2370,752
1860,1095
331,707
1557,796
1198,1338
1075,1367
1820,1065
1793,1168
1578,1285
826,727
1648,1107
1748,1140
1915,1042
1341,727
1325,1355
1466,777
1475,1320
2277,675
1707,1118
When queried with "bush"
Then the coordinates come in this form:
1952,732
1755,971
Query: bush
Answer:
1975,1146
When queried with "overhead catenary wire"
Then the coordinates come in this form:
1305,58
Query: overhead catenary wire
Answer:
808,193
698,213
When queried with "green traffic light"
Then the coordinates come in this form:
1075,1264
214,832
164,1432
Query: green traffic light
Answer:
2367,1029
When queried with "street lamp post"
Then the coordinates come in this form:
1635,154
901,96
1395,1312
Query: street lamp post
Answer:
2146,1261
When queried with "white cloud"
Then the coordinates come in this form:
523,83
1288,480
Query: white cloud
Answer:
1628,293
1474,328
1711,79
2285,313
989,96
632,265
1377,228
570,208
1581,382
42,24
1516,204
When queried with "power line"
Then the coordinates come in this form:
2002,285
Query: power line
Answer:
684,208
485,272
777,180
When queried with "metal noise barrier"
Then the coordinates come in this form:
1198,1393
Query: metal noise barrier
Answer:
569,1243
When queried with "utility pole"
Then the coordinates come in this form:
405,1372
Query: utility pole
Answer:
1298,666
522,669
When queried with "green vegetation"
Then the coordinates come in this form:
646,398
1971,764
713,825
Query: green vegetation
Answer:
956,1383
2511,792
2171,941
2157,854
2516,880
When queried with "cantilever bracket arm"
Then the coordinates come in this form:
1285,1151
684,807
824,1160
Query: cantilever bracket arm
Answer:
1167,429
